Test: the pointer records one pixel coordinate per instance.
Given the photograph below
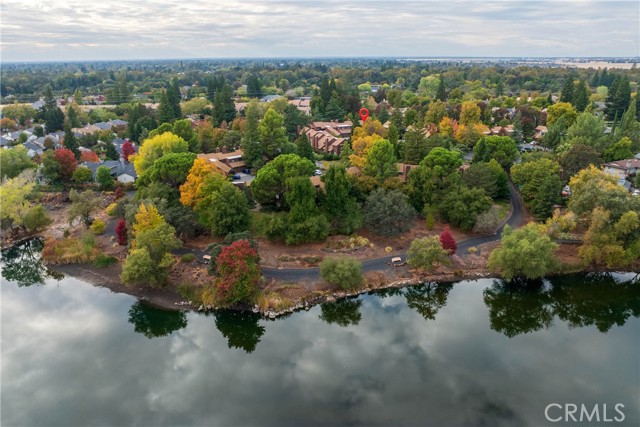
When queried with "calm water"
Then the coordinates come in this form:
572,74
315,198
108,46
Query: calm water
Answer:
478,353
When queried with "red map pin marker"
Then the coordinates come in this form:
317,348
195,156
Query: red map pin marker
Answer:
364,114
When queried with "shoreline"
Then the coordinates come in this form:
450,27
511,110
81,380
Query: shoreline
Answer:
169,298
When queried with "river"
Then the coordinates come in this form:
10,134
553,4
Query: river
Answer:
473,353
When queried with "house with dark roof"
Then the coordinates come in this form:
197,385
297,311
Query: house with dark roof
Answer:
328,137
120,170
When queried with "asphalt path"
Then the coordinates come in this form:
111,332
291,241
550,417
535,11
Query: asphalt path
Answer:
515,219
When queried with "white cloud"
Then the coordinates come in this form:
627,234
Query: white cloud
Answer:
33,30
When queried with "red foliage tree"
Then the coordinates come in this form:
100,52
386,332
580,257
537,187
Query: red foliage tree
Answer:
88,156
447,241
127,150
121,231
67,161
239,273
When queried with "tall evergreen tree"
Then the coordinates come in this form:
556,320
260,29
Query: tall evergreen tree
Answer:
72,116
567,90
440,94
254,87
273,134
224,109
581,96
251,146
165,110
70,141
619,97
304,148
173,95
341,208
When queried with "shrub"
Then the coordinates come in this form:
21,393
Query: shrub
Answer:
239,274
98,226
188,257
488,221
388,213
103,260
112,209
343,272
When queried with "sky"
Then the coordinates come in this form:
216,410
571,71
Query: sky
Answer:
53,30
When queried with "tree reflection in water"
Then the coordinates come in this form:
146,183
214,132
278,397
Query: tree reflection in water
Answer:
241,329
23,264
428,298
344,312
155,322
595,299
518,308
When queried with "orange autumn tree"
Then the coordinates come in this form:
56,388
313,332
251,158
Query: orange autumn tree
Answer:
363,139
191,190
89,156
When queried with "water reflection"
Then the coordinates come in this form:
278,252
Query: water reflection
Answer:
343,312
427,299
241,329
23,265
153,322
585,300
595,299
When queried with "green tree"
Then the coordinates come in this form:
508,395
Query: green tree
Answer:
619,97
426,252
224,109
70,141
501,148
578,157
381,161
480,175
252,148
104,178
527,252
51,169
173,96
343,272
254,87
139,268
82,206
304,148
14,160
618,151
269,186
82,175
388,213
461,206
226,211
171,169
470,113
581,96
415,146
540,185
183,129
165,110
342,209
36,219
273,134
567,94
588,130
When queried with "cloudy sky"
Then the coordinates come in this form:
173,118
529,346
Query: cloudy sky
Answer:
36,30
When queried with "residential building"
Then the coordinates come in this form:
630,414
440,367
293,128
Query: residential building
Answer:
328,137
226,163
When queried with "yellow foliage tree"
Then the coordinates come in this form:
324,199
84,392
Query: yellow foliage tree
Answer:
470,113
191,190
470,134
147,218
447,126
154,148
13,196
368,128
360,147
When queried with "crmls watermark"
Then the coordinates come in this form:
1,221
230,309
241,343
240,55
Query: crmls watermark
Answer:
570,412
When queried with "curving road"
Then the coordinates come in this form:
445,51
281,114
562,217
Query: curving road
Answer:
515,219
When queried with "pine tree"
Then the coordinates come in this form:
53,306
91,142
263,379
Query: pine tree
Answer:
224,109
567,90
173,96
304,148
73,117
595,81
440,94
581,96
165,110
70,141
251,146
254,87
